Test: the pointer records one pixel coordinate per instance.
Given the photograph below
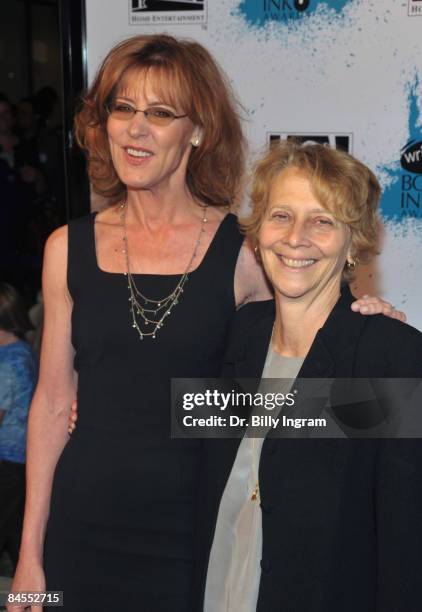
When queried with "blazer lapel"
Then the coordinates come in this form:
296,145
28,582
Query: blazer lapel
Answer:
332,354
250,359
312,385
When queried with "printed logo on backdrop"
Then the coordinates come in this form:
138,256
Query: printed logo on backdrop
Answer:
414,8
259,12
167,12
342,141
403,197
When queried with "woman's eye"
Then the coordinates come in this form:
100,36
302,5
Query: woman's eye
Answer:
324,221
123,108
280,216
162,113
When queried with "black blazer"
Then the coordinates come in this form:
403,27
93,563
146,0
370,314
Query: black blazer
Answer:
341,518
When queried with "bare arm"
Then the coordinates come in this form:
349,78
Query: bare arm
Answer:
250,283
49,412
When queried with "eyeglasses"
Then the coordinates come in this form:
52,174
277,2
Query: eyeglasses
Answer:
155,114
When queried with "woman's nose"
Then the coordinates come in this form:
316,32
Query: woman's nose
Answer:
138,125
296,234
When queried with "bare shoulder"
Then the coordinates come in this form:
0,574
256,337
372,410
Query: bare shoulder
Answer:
55,263
56,245
251,284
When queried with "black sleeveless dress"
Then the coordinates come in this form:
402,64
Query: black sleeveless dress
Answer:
123,507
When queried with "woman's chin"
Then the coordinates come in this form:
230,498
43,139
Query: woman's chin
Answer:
291,293
298,290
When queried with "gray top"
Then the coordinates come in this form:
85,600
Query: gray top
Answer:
234,566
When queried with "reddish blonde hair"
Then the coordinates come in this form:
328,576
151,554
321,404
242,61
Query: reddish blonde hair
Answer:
185,75
340,182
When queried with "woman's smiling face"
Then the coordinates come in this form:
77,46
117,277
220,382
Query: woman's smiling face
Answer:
302,246
146,155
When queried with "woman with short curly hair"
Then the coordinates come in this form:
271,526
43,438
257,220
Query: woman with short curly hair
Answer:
296,515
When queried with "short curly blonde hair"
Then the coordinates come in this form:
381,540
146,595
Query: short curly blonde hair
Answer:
341,183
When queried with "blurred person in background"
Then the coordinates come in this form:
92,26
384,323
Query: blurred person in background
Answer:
26,119
18,375
8,138
12,205
46,105
29,205
21,159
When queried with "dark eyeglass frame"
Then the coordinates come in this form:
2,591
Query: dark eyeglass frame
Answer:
147,112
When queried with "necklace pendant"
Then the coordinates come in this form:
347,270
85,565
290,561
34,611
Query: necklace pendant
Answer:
159,310
255,493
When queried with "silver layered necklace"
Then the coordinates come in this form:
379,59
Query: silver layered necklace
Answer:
148,314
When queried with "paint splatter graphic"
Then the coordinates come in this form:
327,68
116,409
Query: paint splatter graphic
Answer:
402,199
260,12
